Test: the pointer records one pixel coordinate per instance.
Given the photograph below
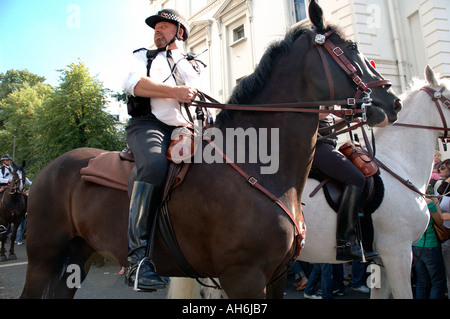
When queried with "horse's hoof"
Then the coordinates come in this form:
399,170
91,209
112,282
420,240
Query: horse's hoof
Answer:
3,258
12,257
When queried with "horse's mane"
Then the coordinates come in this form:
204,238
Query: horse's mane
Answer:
417,83
255,82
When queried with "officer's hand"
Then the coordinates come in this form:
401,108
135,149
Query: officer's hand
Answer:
185,94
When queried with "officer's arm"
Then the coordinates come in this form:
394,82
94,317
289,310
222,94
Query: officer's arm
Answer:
146,87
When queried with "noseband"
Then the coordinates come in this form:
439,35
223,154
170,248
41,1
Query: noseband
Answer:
436,96
323,41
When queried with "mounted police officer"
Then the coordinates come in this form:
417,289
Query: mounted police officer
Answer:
157,85
5,170
334,164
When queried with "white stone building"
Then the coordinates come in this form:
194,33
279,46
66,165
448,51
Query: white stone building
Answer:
401,36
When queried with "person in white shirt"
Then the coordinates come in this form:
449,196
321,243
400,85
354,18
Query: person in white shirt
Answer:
6,171
156,95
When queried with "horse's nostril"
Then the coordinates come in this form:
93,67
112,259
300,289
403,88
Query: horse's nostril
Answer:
398,105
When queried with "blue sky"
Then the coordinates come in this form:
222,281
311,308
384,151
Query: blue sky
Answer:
44,36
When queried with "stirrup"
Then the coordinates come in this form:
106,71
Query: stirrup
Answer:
153,269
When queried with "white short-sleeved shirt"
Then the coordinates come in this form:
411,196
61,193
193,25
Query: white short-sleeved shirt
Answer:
165,109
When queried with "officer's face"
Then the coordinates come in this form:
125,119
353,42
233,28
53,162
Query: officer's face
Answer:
164,32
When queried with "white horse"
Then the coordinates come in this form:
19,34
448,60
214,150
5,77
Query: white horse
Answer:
401,218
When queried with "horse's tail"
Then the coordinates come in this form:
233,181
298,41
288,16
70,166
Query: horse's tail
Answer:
183,288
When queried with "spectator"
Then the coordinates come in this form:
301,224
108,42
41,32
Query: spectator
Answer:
428,261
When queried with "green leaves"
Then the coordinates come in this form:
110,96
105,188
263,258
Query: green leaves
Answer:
46,122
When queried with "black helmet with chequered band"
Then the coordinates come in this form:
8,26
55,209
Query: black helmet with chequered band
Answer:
172,16
6,157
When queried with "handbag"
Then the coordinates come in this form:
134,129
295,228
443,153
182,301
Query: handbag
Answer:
442,232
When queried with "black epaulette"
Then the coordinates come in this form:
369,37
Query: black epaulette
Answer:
139,50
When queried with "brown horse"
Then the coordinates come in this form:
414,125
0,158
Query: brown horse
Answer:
12,209
224,226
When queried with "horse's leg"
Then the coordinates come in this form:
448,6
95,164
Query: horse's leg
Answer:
12,255
42,264
244,283
276,289
48,275
73,269
2,248
397,260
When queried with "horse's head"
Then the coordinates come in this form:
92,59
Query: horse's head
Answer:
347,72
19,177
427,105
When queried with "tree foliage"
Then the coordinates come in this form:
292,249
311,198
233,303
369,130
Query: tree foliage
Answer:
13,80
46,122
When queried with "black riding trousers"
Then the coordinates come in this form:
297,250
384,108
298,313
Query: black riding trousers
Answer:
149,139
333,163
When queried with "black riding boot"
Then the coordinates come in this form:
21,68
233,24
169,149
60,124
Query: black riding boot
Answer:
347,217
144,204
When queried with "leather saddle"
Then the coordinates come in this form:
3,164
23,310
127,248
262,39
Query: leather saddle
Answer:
117,170
372,196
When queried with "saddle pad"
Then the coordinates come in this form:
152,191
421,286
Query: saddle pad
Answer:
109,170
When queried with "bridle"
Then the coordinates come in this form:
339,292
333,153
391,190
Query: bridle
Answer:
322,41
436,96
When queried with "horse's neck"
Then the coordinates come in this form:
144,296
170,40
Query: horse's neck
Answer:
408,151
10,196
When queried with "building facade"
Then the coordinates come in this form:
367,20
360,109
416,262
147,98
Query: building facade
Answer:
401,36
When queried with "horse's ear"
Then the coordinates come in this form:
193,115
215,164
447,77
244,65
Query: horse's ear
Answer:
316,15
431,76
23,163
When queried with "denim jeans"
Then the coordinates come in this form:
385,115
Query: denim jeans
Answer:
430,272
358,274
324,273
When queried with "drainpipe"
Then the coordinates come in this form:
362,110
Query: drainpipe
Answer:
252,38
393,13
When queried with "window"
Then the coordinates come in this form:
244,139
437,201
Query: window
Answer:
300,10
238,33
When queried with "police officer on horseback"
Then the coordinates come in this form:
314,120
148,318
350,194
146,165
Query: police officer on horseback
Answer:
5,170
159,82
334,164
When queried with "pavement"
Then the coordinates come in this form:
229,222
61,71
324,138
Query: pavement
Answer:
105,283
